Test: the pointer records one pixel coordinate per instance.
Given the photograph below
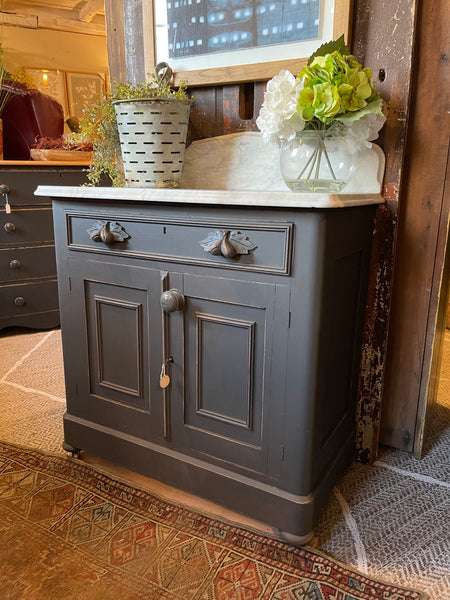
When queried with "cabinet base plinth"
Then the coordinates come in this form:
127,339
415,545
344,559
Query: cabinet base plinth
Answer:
45,320
290,516
294,540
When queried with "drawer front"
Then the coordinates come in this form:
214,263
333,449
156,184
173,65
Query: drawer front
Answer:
27,263
23,226
22,184
28,298
265,246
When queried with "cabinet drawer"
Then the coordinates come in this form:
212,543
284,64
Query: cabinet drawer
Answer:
22,184
27,263
26,225
28,298
185,241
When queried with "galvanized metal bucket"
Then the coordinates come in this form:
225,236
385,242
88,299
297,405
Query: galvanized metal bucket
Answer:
152,136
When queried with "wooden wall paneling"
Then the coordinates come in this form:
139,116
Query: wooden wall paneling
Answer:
206,114
383,39
220,110
422,238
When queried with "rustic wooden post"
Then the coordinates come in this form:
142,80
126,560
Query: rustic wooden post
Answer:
131,45
421,241
383,39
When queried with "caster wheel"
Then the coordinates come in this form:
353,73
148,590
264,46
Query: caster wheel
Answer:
75,452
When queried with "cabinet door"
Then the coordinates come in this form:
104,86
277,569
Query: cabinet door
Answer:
232,337
112,340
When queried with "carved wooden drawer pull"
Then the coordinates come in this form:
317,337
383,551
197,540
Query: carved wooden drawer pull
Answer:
227,243
108,232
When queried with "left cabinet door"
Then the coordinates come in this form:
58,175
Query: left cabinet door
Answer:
112,341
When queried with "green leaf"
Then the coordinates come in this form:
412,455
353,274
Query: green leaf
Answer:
336,46
373,107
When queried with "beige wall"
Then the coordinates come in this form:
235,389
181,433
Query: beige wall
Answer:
44,48
56,50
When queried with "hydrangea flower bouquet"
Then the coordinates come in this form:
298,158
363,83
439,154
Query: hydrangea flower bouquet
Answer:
321,118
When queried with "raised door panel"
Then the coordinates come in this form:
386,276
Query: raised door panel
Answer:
233,336
114,320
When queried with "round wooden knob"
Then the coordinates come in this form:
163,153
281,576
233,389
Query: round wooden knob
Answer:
172,300
19,301
15,264
9,227
4,189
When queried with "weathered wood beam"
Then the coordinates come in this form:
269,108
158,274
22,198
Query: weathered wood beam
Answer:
90,9
423,223
15,20
130,37
71,25
115,40
383,40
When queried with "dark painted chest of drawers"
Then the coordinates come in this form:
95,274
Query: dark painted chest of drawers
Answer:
257,353
28,287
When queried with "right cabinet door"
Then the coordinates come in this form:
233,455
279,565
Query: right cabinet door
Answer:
227,401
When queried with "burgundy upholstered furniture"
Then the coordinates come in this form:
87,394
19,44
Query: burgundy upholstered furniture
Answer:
28,115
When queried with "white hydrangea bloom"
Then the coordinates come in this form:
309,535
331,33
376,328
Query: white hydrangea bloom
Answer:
278,119
365,129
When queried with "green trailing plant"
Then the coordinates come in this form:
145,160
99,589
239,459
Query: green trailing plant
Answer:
98,123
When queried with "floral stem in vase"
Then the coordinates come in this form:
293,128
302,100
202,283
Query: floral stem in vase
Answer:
329,163
321,148
322,119
310,160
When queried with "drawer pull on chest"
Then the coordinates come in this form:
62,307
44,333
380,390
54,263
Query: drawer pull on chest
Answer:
108,232
15,264
19,301
227,243
9,227
172,300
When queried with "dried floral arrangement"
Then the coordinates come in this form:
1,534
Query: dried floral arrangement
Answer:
62,143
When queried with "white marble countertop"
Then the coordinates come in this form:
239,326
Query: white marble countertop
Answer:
281,199
240,170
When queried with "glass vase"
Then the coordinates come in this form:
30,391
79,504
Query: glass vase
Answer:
318,160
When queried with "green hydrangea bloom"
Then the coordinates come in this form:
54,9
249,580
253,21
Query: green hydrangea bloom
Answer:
326,101
333,85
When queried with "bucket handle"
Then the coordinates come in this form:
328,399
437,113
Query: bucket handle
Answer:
163,73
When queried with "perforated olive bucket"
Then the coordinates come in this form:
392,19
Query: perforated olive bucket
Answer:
152,136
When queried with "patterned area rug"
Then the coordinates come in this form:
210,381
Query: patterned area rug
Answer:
70,531
389,521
